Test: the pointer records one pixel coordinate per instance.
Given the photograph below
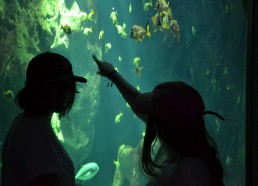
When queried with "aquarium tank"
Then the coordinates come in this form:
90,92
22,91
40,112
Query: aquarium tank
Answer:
201,42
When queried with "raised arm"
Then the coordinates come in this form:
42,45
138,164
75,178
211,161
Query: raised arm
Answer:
129,92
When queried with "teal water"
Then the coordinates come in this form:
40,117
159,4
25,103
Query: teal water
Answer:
209,55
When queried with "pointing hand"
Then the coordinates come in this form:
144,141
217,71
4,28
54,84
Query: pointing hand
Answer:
104,67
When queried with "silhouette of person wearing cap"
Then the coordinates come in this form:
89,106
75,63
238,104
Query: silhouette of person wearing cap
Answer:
32,154
173,113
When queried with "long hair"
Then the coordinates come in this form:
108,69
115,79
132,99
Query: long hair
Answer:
36,99
180,138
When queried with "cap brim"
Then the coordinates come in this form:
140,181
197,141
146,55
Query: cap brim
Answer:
143,103
80,79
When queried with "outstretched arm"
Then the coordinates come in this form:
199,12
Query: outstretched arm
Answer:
129,92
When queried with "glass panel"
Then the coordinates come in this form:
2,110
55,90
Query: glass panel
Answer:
202,43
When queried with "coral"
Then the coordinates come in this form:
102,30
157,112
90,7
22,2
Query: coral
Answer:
19,38
49,14
60,40
72,17
55,14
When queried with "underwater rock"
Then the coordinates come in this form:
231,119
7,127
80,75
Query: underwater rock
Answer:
19,41
128,169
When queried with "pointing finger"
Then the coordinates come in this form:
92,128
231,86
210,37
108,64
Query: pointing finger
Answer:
96,59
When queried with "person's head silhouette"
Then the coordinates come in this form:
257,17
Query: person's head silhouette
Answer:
50,85
175,117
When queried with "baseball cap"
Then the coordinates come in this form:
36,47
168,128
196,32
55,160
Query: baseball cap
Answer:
50,67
